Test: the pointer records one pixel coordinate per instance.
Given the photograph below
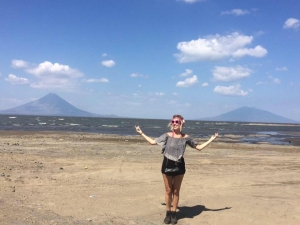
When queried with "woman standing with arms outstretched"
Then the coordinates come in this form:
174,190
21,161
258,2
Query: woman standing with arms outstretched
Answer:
173,166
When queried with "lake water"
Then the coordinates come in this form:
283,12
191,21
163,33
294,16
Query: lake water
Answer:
251,132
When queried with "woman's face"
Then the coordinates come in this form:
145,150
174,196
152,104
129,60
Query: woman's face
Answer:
176,123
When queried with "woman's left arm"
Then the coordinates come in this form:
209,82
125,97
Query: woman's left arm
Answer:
202,146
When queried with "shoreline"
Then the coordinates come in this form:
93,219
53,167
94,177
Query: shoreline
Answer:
291,139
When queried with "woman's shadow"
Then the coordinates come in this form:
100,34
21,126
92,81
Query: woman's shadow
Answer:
192,211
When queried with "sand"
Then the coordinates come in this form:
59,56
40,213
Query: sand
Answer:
73,178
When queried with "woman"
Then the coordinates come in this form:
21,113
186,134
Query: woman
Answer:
173,166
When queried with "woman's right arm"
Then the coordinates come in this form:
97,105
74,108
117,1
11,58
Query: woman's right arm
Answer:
150,140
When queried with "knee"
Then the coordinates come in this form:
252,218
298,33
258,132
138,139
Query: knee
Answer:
169,191
176,192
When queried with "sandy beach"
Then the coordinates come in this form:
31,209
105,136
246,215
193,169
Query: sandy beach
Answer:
81,178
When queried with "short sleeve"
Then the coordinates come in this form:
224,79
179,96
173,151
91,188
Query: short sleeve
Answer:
191,142
161,140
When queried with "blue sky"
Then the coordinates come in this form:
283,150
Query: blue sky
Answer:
153,58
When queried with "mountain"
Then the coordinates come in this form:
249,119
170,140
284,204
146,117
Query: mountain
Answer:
250,114
50,105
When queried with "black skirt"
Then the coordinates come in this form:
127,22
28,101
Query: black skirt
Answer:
167,163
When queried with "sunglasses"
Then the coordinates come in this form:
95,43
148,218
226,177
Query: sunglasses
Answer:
175,121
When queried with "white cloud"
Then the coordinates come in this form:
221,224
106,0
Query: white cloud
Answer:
139,85
274,80
258,52
236,12
186,73
108,63
104,55
159,94
282,69
259,33
188,82
47,69
260,83
291,23
102,80
205,84
193,1
54,76
230,73
234,90
13,79
218,47
16,63
134,75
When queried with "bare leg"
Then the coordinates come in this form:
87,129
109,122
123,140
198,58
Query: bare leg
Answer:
168,181
176,189
172,187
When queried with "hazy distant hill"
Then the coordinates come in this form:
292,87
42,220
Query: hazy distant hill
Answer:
50,105
250,114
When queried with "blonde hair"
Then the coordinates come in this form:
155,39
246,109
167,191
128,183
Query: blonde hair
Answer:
181,124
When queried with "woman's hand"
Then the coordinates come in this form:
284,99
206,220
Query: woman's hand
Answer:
215,136
202,146
138,129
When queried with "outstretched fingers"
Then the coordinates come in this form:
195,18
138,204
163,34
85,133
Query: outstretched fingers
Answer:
138,129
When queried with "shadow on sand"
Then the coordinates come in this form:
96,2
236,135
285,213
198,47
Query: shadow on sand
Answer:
192,211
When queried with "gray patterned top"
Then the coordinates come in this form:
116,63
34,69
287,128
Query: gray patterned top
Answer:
174,148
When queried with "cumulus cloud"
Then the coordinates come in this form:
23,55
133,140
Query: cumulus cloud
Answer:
49,75
159,93
135,75
192,1
16,63
102,80
13,79
108,63
47,69
188,82
234,90
230,73
236,12
205,84
282,69
291,23
187,72
218,47
274,80
261,83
